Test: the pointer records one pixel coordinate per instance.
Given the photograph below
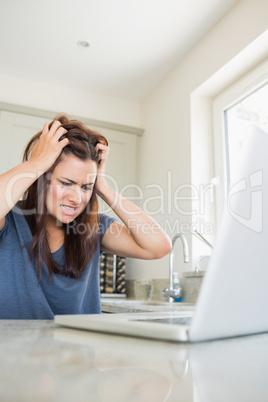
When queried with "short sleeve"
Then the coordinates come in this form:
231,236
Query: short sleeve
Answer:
104,222
5,230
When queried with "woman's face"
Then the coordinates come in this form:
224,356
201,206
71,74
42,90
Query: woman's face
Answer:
70,188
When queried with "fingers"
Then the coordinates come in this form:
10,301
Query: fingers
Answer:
103,149
101,146
54,127
45,129
63,143
50,140
55,131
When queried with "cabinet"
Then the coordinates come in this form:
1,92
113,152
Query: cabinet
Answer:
15,131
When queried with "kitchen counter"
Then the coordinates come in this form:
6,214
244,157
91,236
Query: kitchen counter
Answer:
42,362
111,305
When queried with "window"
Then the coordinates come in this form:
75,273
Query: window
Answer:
252,109
243,103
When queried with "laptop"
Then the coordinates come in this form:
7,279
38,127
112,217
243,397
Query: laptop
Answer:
233,298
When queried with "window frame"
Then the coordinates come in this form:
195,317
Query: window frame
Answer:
235,93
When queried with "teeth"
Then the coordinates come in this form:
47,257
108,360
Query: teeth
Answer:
68,208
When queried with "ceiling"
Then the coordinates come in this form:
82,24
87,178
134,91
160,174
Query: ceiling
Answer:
133,43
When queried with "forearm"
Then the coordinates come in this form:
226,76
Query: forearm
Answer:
45,151
14,183
145,231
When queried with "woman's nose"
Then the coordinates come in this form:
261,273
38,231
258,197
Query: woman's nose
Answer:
74,195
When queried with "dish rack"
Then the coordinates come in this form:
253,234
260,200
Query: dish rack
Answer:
112,275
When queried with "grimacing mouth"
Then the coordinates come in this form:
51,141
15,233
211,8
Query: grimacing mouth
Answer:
68,207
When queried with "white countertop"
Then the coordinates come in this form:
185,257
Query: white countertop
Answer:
42,362
113,305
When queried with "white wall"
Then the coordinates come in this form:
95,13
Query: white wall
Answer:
45,96
170,139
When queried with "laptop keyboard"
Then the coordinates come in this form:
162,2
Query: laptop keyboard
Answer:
169,320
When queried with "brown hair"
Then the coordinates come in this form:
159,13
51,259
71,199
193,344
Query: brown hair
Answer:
79,246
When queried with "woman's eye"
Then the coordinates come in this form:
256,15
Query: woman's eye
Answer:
86,188
66,184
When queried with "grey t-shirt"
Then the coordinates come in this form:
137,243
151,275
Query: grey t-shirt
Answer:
21,297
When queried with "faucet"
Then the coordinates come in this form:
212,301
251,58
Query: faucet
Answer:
197,266
170,291
200,237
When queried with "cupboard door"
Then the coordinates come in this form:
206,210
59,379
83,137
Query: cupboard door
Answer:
15,131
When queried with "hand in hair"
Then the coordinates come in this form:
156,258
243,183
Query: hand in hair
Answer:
103,151
48,147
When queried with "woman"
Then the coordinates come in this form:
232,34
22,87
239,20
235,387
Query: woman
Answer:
51,240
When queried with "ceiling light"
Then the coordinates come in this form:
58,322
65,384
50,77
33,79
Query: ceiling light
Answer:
83,43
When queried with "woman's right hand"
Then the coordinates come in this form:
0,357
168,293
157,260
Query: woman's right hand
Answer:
16,181
48,147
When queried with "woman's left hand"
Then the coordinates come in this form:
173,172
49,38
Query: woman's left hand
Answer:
139,236
101,179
